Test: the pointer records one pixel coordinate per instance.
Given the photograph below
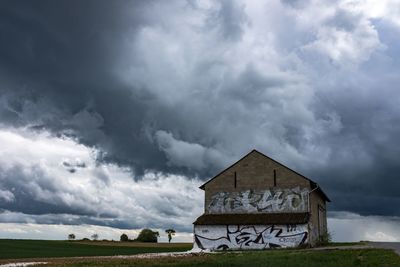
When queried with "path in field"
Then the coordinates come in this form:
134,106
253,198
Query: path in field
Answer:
388,245
395,246
23,263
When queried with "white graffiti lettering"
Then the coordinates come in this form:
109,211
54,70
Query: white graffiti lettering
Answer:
250,237
273,200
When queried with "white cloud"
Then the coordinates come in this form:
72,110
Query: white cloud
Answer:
58,231
37,182
341,31
346,226
346,48
190,155
257,92
380,237
6,195
388,10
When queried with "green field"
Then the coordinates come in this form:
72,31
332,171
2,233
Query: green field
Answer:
281,258
58,253
18,249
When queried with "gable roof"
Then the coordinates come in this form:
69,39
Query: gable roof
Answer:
253,219
314,185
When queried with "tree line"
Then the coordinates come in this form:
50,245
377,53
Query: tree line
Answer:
145,235
148,235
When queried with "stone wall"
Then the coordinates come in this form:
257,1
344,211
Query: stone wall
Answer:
254,172
261,201
318,222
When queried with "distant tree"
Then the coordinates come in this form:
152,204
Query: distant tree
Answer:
71,237
147,235
85,239
95,236
124,238
171,232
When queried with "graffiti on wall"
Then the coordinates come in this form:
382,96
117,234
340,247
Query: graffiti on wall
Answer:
273,200
221,237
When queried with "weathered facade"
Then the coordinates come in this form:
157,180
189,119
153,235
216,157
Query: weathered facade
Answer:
259,203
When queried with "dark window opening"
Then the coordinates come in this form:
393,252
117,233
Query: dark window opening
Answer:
235,182
274,177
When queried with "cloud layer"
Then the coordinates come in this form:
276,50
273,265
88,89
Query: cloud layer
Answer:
54,180
160,95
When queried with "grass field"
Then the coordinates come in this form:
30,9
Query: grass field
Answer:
18,249
42,250
281,258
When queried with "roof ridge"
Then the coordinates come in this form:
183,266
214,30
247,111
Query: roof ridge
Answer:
315,184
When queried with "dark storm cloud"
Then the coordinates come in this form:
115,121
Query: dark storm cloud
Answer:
188,87
364,173
66,219
59,59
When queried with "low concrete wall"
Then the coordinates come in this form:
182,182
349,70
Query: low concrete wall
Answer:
221,237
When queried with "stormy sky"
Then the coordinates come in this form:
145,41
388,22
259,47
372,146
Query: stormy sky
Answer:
112,113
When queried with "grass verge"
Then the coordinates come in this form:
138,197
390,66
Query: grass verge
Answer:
345,244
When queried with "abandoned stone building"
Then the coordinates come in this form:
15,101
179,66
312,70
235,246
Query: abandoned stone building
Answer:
259,203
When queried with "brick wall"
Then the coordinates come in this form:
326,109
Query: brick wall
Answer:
254,172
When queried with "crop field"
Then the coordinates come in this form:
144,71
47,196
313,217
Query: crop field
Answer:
18,249
65,253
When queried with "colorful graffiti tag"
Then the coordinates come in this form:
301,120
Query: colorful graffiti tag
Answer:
273,200
216,237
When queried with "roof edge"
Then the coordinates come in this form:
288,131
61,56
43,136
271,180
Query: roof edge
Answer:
202,187
316,186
